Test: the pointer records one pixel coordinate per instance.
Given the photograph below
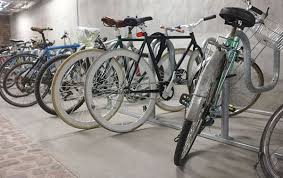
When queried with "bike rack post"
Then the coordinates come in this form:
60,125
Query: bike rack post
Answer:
152,116
225,111
224,137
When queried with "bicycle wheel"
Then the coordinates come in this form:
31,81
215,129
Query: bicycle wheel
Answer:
43,83
166,69
21,93
107,91
13,60
240,97
271,146
203,90
67,89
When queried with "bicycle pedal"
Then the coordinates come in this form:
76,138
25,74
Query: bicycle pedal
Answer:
232,108
177,138
185,99
209,122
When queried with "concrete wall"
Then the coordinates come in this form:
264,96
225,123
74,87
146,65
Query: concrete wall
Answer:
4,30
59,14
62,15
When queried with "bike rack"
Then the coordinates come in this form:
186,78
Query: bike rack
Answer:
223,137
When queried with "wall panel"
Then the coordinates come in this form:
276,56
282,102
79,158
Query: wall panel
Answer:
62,15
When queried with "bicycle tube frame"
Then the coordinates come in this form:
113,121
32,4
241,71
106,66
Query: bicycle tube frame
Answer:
46,55
147,41
232,43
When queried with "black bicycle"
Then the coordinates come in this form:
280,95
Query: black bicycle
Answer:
108,83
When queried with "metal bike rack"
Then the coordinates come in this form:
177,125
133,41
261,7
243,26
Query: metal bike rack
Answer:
223,137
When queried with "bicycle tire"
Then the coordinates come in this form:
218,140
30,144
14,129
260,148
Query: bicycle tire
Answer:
179,160
260,77
159,101
13,59
38,95
5,87
264,152
104,121
206,85
8,64
69,117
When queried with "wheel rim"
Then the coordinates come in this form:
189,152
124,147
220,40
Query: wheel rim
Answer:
126,116
191,137
273,154
78,116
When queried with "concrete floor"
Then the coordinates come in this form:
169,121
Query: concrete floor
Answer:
145,153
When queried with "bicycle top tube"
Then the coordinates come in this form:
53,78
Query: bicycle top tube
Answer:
73,46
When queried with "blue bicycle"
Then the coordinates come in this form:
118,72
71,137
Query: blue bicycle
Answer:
19,81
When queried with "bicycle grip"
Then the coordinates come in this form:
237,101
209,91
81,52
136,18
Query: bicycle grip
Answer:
256,10
179,30
209,17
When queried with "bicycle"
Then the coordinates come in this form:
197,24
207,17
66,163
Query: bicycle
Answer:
108,83
68,84
45,76
19,96
203,102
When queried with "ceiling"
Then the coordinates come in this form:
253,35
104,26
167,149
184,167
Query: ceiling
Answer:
8,7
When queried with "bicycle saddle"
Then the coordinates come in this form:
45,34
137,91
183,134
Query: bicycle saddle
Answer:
133,22
40,30
16,41
110,22
129,21
232,16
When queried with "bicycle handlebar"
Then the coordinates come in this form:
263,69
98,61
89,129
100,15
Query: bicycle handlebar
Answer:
175,29
190,27
209,17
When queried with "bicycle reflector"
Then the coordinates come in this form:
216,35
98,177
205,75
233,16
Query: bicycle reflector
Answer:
140,34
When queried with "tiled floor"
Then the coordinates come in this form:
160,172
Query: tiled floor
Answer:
22,158
145,153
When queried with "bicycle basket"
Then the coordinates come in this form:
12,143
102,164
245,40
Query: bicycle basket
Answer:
269,33
87,36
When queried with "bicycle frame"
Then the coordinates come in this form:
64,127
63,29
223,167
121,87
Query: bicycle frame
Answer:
45,56
147,42
231,44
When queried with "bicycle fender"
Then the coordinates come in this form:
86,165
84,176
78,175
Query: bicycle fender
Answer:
207,77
